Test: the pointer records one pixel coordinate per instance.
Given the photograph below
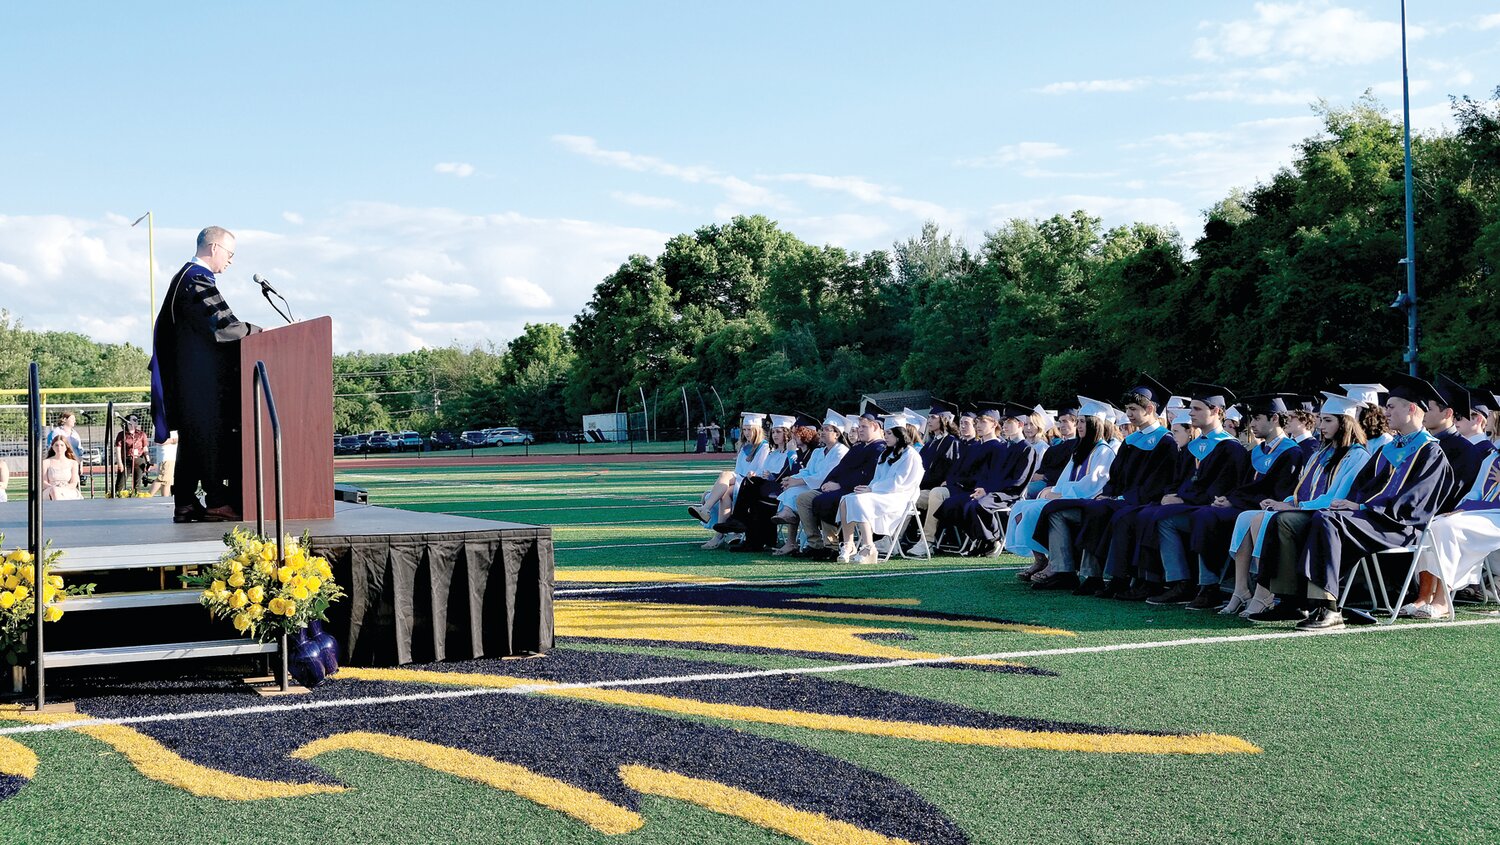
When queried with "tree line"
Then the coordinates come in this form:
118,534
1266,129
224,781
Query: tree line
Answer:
1289,287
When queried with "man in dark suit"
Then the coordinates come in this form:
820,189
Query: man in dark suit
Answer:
193,385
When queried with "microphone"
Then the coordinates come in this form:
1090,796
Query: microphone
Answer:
264,285
266,291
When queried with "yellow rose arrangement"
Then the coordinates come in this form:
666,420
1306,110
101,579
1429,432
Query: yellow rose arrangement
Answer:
261,593
18,592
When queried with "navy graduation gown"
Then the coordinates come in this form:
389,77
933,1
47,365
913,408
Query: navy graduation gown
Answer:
1464,457
938,456
1274,475
1055,460
855,468
1003,482
1141,474
1217,464
1309,447
1399,491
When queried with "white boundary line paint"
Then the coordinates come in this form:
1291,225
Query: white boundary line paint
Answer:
557,548
529,689
769,582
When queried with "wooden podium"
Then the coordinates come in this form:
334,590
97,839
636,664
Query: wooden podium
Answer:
299,370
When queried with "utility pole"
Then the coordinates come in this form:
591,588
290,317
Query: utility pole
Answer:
1409,299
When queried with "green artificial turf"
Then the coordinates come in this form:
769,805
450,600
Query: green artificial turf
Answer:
1368,736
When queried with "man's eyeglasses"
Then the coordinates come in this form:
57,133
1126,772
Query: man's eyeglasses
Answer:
227,252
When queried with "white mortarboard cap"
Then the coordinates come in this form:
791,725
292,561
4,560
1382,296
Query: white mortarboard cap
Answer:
895,420
1094,408
1368,394
1120,417
836,419
782,421
1175,402
852,421
1233,414
748,419
916,419
1182,416
1049,418
1336,404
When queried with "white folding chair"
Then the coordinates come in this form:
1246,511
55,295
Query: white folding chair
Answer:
906,519
1368,568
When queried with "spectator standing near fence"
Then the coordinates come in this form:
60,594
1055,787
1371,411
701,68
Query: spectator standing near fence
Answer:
702,433
66,426
131,456
716,435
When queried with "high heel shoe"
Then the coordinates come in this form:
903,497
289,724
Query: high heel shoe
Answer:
846,553
868,555
1257,605
1235,604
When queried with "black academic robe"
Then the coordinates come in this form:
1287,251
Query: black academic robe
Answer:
938,456
1309,447
855,468
1004,482
194,387
1220,471
1396,503
1141,474
1055,460
974,460
1464,457
1212,527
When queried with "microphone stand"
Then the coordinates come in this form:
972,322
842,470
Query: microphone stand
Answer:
285,315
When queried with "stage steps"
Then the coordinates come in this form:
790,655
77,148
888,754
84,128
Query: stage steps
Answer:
148,556
124,601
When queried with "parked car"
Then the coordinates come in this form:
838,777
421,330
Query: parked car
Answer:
349,444
472,438
92,455
442,440
381,443
409,441
509,437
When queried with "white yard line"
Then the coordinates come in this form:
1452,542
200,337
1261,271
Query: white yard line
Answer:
529,689
626,546
772,582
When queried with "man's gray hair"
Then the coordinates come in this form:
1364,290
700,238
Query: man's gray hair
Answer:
212,235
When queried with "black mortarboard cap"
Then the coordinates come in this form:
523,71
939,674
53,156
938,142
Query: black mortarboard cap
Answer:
871,406
1152,389
1412,389
1272,403
806,420
1455,396
1210,394
941,407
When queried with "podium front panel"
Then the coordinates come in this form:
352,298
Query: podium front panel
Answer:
299,369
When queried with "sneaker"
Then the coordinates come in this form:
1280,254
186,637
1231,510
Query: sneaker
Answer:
1208,598
846,553
867,556
1322,619
921,549
1177,592
883,545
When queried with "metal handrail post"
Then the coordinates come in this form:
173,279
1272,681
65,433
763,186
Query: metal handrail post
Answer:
34,525
261,385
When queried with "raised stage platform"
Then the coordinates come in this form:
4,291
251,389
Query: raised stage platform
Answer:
422,586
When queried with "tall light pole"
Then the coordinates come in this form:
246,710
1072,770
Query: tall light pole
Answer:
1411,230
151,266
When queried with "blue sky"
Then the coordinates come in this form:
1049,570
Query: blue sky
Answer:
439,172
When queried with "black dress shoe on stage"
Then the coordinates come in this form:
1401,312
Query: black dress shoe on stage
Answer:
1322,619
1056,581
1280,613
1208,598
1090,586
188,514
222,513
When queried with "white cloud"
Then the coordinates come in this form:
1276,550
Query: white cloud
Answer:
392,277
1312,31
1093,86
1208,163
645,200
460,169
1253,96
851,231
292,217
1392,89
871,193
1025,153
1489,21
736,190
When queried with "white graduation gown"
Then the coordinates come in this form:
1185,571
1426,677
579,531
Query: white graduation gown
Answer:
1459,543
891,492
1024,514
819,464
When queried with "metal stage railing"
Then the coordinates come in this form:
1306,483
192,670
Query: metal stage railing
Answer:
117,558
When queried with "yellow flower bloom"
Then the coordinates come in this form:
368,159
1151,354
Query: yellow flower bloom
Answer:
53,614
222,595
314,583
253,548
276,605
268,551
20,556
242,622
284,574
7,600
11,583
21,593
256,594
266,567
216,586
255,611
208,595
7,569
300,593
238,600
237,580
56,581
28,572
288,608
48,593
236,565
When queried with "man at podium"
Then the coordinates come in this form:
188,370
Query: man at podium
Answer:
194,387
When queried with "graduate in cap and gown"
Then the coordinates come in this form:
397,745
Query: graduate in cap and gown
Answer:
1059,450
1459,545
879,506
1083,477
1453,404
980,516
1077,530
820,518
1216,463
940,446
749,461
974,459
1275,466
800,488
1392,500
755,501
1328,475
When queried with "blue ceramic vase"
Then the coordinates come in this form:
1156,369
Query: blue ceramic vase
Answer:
305,660
328,646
